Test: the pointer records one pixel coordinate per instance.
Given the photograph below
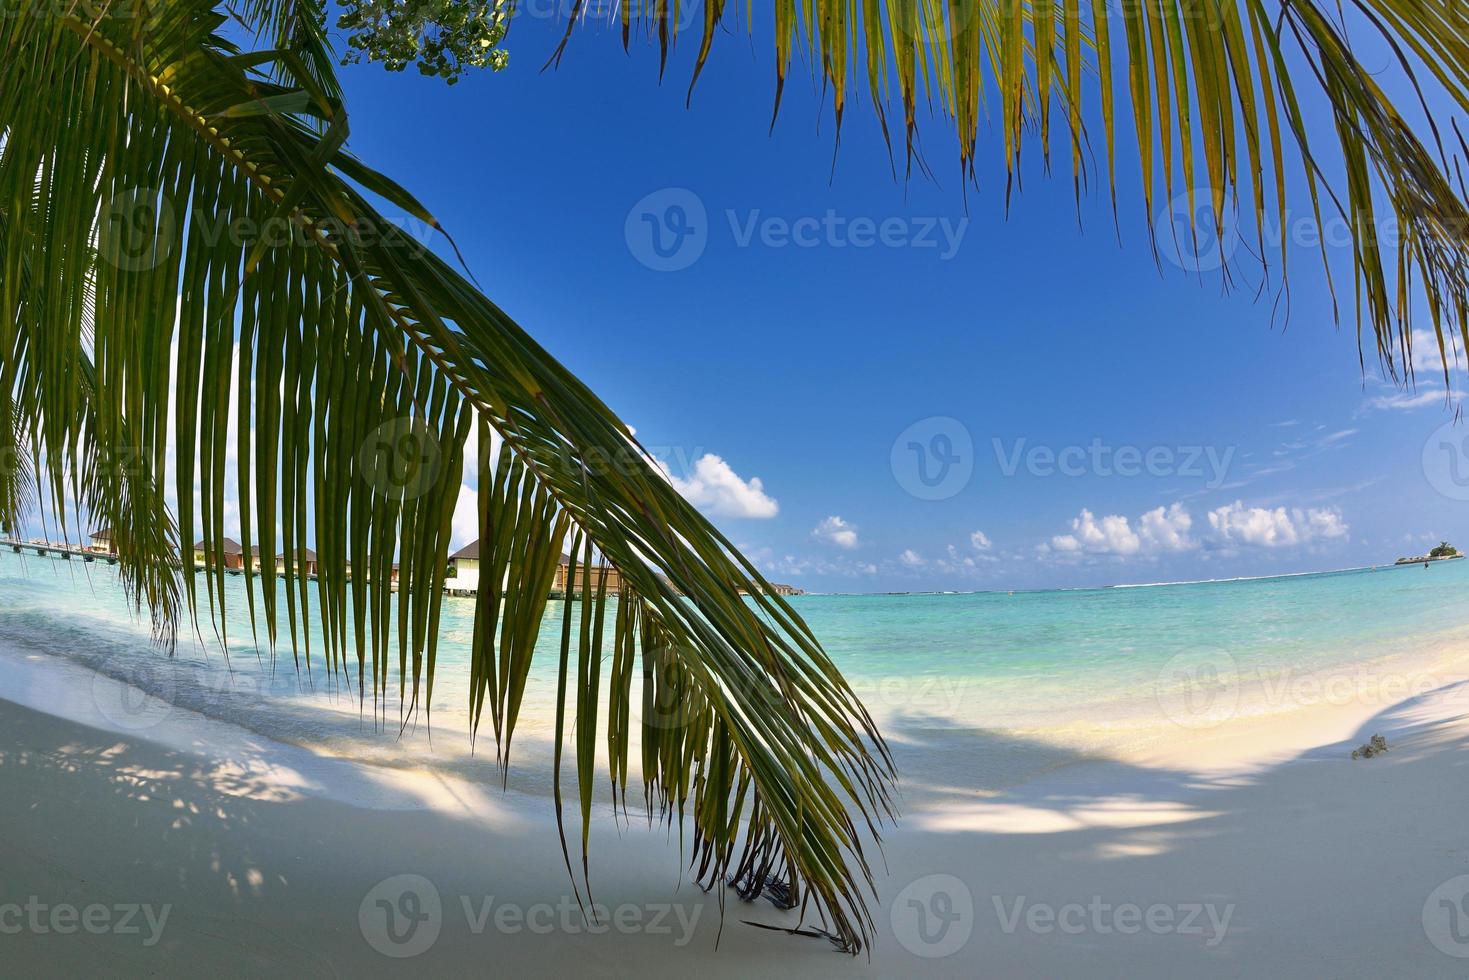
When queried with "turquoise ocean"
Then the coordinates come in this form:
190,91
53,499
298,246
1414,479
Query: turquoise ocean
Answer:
1036,678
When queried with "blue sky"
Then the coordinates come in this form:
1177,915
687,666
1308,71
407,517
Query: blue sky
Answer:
796,355
873,384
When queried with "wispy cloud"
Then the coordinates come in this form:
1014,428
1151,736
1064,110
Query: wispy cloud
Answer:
1428,388
836,532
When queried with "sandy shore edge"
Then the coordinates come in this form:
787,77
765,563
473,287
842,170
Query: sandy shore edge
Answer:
1271,852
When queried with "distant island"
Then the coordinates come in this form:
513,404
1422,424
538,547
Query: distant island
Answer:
1444,552
780,588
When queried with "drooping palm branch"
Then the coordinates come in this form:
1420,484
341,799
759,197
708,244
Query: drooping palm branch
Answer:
1221,93
148,171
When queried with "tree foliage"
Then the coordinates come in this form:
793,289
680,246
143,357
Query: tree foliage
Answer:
445,38
191,267
1243,113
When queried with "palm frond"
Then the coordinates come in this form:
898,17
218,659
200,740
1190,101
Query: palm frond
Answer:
194,204
1221,96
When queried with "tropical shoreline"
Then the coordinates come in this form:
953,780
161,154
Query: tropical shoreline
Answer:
1009,687
231,831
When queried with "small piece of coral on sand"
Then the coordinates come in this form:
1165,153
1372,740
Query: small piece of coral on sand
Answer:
1375,746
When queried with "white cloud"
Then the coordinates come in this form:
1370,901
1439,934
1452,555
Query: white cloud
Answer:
1169,529
911,558
798,566
1428,359
837,532
980,540
1324,523
1274,527
1112,535
956,561
1428,389
1166,529
717,489
472,457
466,518
1407,401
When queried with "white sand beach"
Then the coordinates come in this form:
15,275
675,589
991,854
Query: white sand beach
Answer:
203,850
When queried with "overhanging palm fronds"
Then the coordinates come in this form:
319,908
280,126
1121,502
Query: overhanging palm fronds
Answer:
1220,92
180,221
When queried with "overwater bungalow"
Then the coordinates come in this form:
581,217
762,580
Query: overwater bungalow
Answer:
232,555
303,564
463,574
567,581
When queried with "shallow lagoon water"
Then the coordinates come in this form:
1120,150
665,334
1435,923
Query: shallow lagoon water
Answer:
1036,678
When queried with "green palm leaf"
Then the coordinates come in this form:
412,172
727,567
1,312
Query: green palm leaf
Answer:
1219,93
147,173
